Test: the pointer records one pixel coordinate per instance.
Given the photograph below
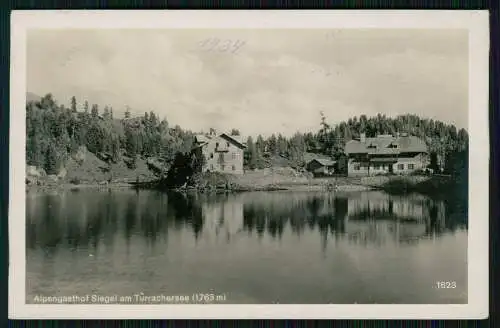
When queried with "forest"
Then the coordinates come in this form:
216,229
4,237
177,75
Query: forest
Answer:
55,132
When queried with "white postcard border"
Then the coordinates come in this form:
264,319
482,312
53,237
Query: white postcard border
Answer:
478,273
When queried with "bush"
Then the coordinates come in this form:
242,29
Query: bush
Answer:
420,172
131,163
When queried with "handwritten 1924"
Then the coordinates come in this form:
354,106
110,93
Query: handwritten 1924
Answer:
218,45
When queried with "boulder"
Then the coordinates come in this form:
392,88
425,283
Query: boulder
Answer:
33,171
52,177
62,173
80,154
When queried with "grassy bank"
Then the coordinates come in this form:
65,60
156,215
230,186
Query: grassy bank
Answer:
435,186
88,176
271,179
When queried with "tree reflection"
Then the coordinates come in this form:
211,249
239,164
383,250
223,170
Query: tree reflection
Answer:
85,222
89,219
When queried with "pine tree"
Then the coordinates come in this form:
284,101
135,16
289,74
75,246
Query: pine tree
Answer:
115,149
51,161
105,114
95,111
131,143
250,155
73,104
272,144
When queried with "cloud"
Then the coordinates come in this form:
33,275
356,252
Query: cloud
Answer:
277,81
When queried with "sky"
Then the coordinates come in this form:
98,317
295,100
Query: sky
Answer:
258,81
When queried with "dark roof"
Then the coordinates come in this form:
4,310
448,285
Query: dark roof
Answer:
383,145
203,139
235,139
308,157
324,162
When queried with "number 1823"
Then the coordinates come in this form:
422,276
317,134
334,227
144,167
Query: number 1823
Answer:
446,284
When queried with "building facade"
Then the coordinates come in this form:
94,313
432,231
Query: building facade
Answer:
386,154
223,153
321,167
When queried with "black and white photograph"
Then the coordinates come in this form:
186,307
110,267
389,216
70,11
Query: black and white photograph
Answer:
228,163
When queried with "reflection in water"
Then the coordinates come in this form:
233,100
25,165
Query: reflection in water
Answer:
269,232
65,220
370,218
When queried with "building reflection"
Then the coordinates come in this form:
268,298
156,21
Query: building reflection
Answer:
369,218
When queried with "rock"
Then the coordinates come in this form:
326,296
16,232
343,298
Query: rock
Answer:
81,154
62,173
34,171
52,177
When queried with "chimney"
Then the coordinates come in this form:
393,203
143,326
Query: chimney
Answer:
362,137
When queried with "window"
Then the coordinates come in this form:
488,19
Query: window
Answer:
411,166
376,167
233,155
211,166
222,167
216,144
211,155
227,143
356,167
401,166
233,168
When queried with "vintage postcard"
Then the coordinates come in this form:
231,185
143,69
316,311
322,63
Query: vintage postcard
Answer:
249,164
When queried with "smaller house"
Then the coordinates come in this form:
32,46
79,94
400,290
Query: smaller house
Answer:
321,166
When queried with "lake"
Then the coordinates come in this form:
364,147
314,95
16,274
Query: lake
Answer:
256,247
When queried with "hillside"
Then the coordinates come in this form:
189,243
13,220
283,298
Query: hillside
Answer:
86,168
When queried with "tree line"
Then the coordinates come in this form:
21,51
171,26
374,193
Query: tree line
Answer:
448,146
55,132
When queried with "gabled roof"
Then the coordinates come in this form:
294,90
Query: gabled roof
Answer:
381,145
308,157
202,139
238,140
323,161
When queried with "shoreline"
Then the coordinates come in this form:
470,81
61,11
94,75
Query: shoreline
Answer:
73,187
395,186
238,189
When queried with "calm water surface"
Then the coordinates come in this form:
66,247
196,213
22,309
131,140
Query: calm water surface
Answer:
286,247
